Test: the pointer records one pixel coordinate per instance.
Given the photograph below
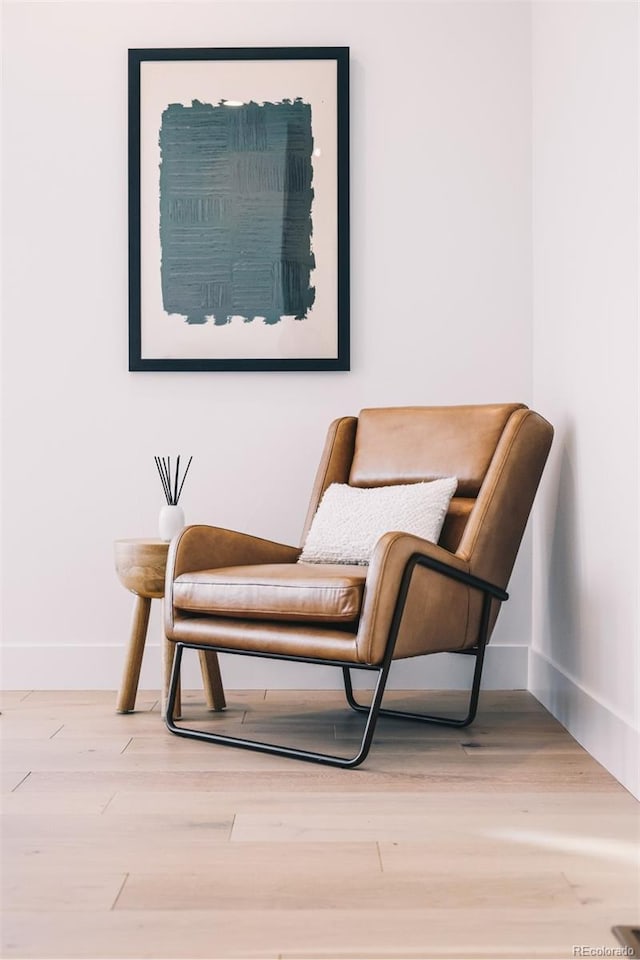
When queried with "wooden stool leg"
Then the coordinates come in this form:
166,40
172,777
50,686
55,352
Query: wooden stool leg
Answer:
168,655
211,679
131,674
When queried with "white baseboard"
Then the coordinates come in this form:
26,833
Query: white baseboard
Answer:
607,737
72,667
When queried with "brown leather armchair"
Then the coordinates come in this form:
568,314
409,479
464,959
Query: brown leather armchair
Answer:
235,593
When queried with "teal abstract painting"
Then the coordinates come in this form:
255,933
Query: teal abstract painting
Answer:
235,211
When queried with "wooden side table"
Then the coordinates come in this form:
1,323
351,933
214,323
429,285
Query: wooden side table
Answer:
141,565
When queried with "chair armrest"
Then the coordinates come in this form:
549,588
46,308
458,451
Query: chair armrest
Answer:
435,600
201,547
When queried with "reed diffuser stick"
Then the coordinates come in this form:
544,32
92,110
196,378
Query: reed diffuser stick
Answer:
163,480
183,479
175,488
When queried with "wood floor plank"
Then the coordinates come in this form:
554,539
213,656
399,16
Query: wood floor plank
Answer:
302,778
79,707
252,874
172,747
280,886
15,727
95,829
115,844
286,698
97,727
398,804
27,889
9,698
235,697
265,934
69,756
476,830
57,755
521,746
104,698
486,724
118,855
54,804
483,854
491,700
486,721
11,779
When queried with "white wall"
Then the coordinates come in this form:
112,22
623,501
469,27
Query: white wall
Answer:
441,300
584,662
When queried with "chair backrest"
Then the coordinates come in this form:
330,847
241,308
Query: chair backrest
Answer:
497,452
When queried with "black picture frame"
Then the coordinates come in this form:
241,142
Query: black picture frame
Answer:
210,174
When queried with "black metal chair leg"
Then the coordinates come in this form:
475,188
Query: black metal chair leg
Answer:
329,759
424,717
478,652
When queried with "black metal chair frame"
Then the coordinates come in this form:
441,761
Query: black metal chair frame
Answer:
374,709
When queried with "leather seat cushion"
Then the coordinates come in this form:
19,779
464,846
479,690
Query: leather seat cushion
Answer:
275,591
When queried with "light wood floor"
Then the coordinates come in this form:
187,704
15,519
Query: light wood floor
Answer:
505,840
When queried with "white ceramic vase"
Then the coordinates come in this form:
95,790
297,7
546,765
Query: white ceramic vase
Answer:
170,521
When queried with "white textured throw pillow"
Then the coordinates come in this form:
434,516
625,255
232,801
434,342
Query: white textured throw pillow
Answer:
350,520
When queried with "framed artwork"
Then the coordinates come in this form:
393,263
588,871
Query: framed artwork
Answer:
239,209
